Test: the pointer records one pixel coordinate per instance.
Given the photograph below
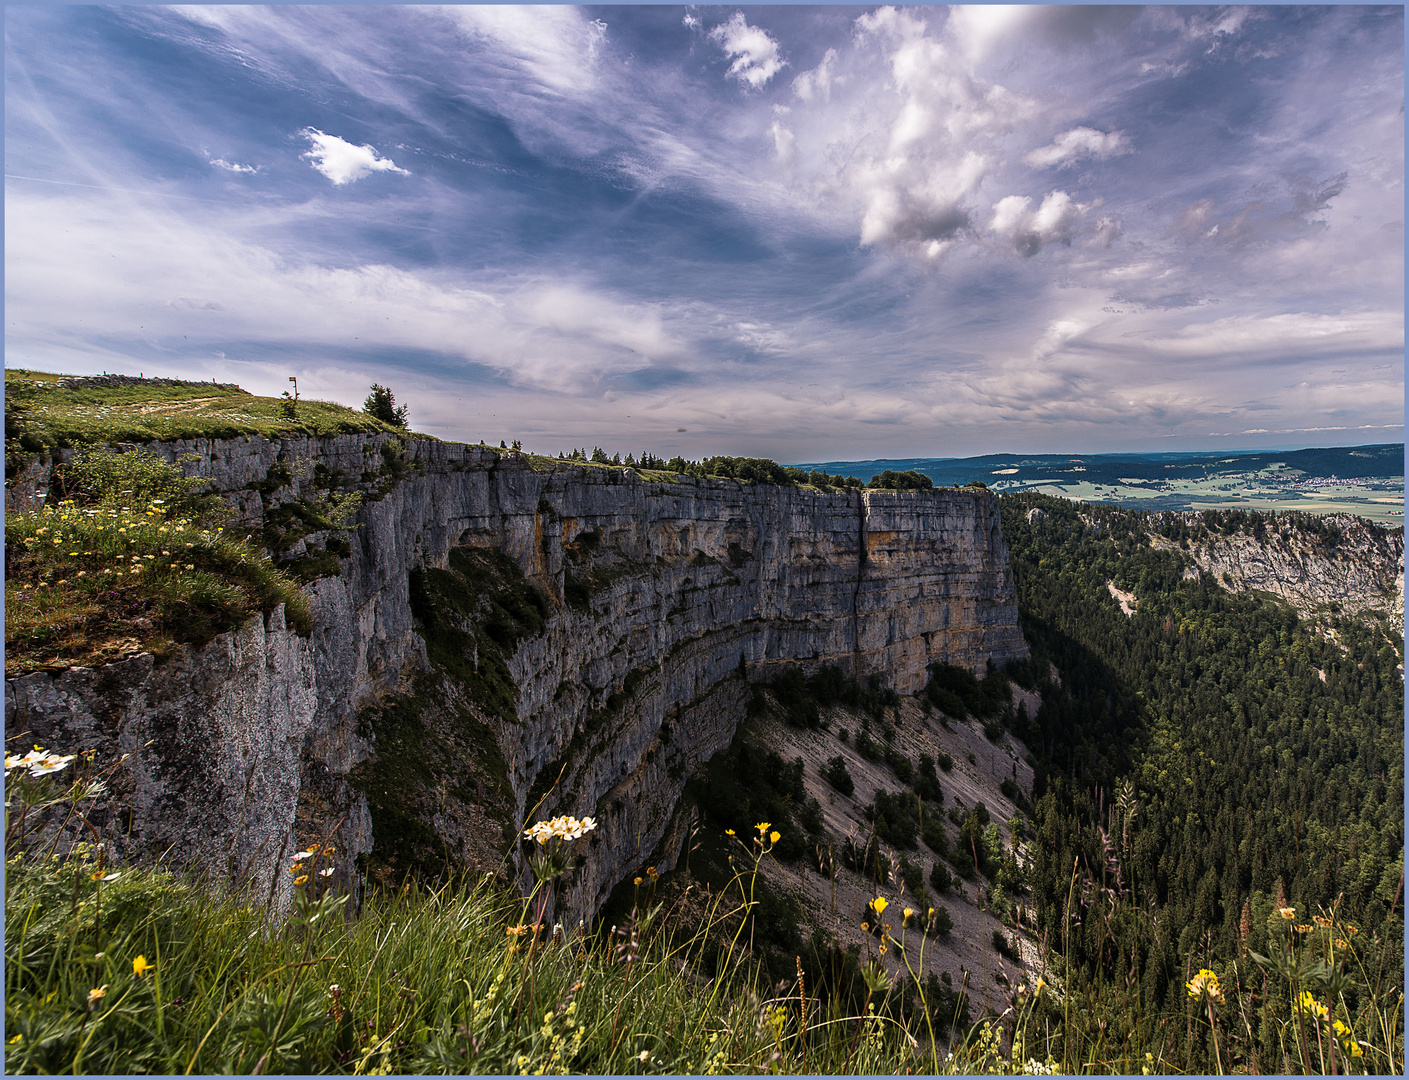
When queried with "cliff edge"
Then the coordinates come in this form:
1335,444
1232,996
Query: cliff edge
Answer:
504,635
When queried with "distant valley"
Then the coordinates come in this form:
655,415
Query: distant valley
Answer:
1363,480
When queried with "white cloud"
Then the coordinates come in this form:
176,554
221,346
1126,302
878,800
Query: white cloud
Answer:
230,166
1078,144
138,274
1029,231
557,47
342,162
817,83
756,56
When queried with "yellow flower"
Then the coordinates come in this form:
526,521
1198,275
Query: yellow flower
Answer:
909,912
636,881
300,879
1351,930
879,905
97,994
1303,928
728,832
140,966
762,826
883,948
516,931
1287,913
1308,1004
1321,921
1341,943
774,837
865,925
1205,983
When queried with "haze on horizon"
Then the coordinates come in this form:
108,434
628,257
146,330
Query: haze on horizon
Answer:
805,233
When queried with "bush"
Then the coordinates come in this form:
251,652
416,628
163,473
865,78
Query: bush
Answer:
943,921
941,878
900,765
926,782
894,817
838,776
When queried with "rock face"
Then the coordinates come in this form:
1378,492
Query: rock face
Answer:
661,597
1349,565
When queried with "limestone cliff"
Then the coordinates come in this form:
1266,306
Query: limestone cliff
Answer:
504,629
1344,565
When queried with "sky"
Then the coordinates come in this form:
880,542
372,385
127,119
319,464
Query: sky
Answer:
803,232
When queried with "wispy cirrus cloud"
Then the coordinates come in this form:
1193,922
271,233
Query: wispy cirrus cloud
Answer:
902,230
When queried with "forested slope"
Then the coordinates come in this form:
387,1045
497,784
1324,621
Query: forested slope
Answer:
1201,761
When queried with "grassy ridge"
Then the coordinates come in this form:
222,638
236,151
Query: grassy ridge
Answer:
40,415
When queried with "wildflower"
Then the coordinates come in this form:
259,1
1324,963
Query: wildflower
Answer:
1205,983
1341,943
1351,930
1321,921
51,763
879,905
1287,913
636,881
728,832
1308,1004
1303,928
516,931
327,871
140,966
883,948
774,836
865,925
762,826
301,855
909,914
97,994
300,879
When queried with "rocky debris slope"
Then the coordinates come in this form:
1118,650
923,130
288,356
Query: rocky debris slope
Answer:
1344,565
656,598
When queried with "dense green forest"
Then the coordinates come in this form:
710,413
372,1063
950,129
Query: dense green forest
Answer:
1203,765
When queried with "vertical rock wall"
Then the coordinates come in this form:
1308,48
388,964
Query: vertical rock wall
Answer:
661,595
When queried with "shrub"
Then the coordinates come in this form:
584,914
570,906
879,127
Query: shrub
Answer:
838,776
941,878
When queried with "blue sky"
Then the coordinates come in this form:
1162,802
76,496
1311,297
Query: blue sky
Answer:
807,233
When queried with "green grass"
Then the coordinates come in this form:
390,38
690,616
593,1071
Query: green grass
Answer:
134,560
39,418
420,981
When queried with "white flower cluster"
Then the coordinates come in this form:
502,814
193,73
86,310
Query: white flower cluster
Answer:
561,828
38,762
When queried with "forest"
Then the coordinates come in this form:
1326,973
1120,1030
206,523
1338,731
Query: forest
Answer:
1217,780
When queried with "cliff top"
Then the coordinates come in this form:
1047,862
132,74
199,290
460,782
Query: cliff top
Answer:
44,410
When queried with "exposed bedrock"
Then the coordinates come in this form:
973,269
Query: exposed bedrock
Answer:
660,597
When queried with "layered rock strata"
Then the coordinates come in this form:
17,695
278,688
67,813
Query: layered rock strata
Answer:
662,596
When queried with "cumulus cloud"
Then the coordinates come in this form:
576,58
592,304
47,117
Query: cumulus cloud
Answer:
1079,144
342,162
756,56
1029,231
